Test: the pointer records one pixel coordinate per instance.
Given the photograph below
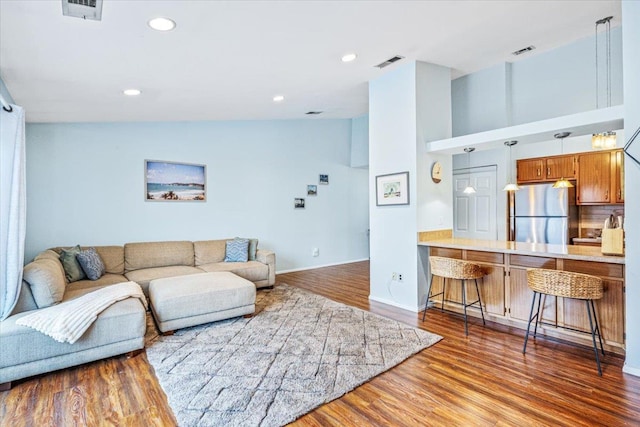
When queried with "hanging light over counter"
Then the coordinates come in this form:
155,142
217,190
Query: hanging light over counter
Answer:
562,182
511,186
604,140
469,189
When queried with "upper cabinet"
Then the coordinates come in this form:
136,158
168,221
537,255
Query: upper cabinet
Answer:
600,178
619,176
594,178
544,169
599,175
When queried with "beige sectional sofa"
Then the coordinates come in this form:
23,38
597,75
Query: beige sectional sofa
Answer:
120,328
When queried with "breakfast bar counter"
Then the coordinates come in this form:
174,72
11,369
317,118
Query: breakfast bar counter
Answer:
506,297
584,253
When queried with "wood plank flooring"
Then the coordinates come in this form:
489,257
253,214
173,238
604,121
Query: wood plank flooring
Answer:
480,380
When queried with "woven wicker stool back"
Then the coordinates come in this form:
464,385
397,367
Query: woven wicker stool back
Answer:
454,268
564,284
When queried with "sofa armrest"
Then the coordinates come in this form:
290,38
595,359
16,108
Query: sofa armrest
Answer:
268,257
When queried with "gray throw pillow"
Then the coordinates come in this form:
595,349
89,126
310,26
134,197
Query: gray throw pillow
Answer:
91,263
237,250
72,269
253,248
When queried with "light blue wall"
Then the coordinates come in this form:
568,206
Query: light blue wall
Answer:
86,185
360,142
546,85
479,100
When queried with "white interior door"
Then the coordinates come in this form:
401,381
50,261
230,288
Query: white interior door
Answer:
475,214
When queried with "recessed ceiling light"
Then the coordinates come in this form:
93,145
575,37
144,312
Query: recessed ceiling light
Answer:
162,24
131,92
349,57
278,98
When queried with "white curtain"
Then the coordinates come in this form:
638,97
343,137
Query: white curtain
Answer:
13,213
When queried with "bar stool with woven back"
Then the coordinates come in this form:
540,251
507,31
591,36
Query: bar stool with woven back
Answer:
450,268
566,284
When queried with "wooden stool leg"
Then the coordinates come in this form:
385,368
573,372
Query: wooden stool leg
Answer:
526,336
464,303
426,304
593,337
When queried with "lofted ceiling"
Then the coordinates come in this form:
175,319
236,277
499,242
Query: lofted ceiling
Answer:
226,60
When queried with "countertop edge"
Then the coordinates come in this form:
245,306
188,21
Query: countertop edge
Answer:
478,246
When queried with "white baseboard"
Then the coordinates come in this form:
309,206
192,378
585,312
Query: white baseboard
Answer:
313,267
630,370
395,304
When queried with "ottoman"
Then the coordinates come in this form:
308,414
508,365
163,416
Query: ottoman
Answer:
183,301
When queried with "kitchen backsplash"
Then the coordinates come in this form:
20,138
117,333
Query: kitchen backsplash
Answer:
592,218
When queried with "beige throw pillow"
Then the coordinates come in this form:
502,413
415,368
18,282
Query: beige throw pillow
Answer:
46,281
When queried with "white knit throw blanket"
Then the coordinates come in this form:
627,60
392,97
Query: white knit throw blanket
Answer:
67,321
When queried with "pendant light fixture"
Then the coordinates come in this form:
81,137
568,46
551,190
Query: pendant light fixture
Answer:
604,140
562,182
469,189
511,186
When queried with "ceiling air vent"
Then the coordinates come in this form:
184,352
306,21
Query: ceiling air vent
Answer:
85,9
313,113
523,50
390,61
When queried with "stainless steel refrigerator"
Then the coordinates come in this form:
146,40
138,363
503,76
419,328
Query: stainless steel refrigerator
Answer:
540,213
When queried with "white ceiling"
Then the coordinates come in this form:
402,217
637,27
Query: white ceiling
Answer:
227,59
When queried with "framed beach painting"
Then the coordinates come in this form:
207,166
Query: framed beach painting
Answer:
174,182
392,189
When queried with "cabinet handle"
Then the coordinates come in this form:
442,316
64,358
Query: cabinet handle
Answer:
538,170
548,171
606,195
619,194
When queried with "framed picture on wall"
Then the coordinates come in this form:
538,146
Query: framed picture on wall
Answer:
392,189
324,179
312,190
298,203
174,182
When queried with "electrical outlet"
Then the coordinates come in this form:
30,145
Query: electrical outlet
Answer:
315,252
400,277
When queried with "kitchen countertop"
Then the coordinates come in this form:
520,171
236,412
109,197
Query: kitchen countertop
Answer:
584,253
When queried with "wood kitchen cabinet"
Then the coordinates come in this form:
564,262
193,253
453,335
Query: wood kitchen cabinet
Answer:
491,286
600,178
610,317
619,176
544,169
530,170
506,296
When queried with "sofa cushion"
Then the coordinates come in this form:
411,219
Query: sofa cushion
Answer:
144,276
91,263
237,250
121,321
250,270
46,281
52,255
105,280
157,254
113,258
209,251
72,269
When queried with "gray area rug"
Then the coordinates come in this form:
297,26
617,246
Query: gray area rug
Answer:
299,351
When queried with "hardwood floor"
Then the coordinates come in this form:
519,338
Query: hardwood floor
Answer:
480,380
